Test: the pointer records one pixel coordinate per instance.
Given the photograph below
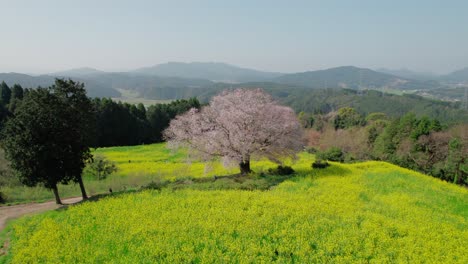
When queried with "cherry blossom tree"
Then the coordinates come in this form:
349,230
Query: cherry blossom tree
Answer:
237,126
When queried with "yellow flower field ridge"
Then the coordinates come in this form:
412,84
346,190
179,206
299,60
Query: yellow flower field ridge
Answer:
364,212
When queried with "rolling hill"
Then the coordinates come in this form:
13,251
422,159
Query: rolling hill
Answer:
177,80
346,213
94,89
326,100
409,74
79,72
213,71
352,78
457,76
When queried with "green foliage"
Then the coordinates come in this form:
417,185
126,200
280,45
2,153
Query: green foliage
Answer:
17,92
457,163
47,140
160,115
121,124
320,164
5,93
101,167
306,120
424,127
282,170
331,154
375,117
347,117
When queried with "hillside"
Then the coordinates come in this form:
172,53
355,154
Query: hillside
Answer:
345,213
450,94
409,74
94,89
79,72
457,76
368,101
207,70
109,84
353,78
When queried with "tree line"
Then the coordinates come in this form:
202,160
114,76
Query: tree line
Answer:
417,143
47,132
114,123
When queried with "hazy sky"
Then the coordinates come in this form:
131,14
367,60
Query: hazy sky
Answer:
46,36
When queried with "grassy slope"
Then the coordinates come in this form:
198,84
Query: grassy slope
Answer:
370,211
137,166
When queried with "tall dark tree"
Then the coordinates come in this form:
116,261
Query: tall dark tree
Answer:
5,93
33,141
17,92
46,141
79,117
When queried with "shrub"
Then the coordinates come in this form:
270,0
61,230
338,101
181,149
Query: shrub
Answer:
281,170
311,150
101,167
331,154
320,164
155,185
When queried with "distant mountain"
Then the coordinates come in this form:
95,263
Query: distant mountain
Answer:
352,78
409,74
181,80
94,89
108,84
457,76
150,86
26,81
78,72
213,71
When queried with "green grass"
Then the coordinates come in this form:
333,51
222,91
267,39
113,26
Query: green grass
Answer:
364,212
137,166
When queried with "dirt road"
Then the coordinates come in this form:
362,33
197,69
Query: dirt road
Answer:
15,211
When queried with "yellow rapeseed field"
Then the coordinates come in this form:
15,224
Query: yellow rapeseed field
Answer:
365,212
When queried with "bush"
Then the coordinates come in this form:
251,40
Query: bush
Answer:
281,170
100,167
320,164
311,150
2,200
155,185
331,154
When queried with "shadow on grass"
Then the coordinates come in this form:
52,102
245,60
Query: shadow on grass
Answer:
96,198
335,169
251,182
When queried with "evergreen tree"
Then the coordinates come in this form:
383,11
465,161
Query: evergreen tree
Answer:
79,117
17,92
5,93
46,141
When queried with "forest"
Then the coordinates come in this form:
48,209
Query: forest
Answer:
57,137
433,141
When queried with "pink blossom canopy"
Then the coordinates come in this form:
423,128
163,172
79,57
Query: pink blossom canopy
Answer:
238,125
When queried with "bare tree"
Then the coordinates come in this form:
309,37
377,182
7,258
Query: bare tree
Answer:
237,126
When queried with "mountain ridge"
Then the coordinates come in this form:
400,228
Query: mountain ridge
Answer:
352,77
214,71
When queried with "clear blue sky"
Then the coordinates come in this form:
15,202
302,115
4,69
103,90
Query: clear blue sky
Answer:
47,35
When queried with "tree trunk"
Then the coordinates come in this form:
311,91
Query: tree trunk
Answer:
82,188
245,167
56,193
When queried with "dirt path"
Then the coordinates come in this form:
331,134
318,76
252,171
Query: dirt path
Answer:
15,211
